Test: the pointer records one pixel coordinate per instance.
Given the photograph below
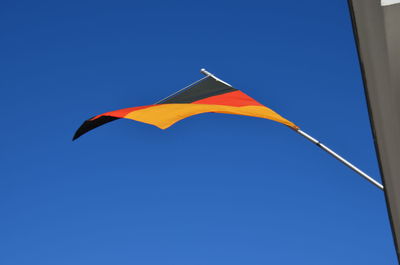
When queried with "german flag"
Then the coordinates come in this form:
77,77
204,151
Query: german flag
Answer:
206,95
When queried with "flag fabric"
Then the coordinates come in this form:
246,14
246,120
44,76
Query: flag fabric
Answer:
207,95
376,25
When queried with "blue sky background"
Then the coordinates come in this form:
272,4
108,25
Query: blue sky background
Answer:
213,189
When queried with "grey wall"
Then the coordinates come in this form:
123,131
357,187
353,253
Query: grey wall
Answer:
377,33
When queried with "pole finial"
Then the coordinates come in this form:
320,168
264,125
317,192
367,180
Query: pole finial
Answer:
205,72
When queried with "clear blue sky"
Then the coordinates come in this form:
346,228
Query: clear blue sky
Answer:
213,189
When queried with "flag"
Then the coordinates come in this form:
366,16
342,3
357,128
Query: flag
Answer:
376,26
207,95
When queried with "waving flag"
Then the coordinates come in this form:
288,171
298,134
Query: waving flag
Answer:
209,94
206,95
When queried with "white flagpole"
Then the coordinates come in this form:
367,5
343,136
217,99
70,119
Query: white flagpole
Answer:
207,73
318,143
338,157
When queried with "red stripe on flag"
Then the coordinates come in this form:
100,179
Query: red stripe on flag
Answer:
120,113
235,99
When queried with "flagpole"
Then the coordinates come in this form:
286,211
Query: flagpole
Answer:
341,159
318,143
207,73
